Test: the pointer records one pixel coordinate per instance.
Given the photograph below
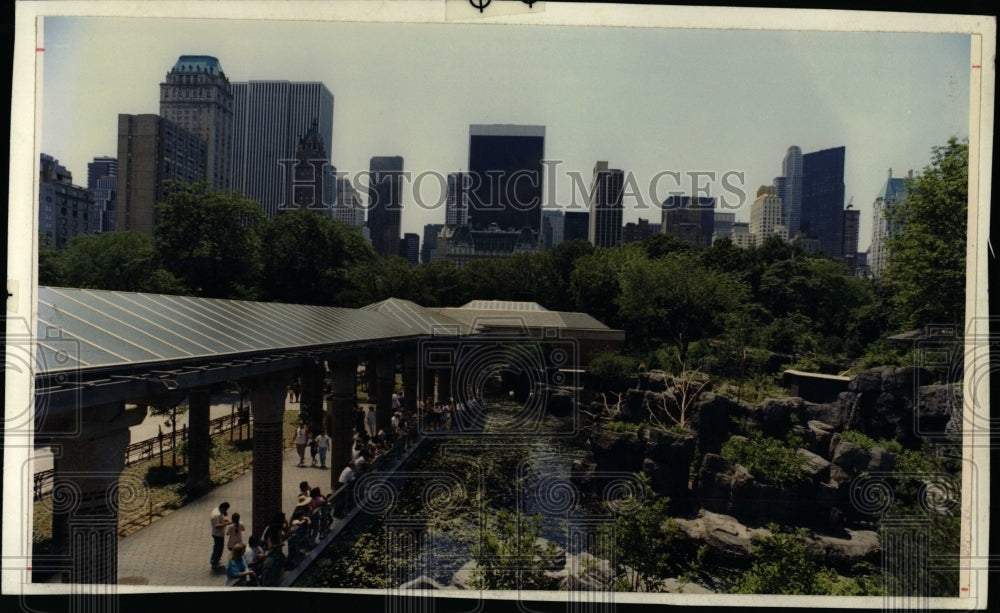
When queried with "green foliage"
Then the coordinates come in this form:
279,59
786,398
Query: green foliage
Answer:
305,258
612,368
122,261
641,541
925,270
868,443
781,563
506,554
210,240
620,426
767,459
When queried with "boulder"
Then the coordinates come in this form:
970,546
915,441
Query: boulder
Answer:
423,582
714,483
585,572
851,457
655,381
776,415
905,380
632,408
881,460
939,410
462,578
617,451
560,401
815,467
819,437
668,461
867,381
830,413
856,546
711,418
723,533
582,474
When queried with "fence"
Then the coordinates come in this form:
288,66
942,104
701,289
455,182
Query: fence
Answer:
164,443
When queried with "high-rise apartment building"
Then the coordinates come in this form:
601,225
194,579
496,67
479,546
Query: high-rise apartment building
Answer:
766,216
823,199
151,152
553,224
456,210
506,164
64,210
723,225
606,206
197,97
101,167
269,118
345,201
634,232
883,228
430,243
689,219
385,203
576,225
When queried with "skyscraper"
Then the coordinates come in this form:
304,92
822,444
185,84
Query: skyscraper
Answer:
689,219
409,248
553,224
883,228
197,97
152,151
852,222
823,199
269,117
385,206
789,189
506,164
576,225
102,182
345,201
456,210
606,206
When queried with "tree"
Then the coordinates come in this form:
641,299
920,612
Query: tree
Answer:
210,240
506,554
121,261
305,257
781,564
925,270
675,299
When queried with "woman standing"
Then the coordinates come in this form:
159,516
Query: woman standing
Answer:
301,439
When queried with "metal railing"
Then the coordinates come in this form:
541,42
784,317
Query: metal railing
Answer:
163,444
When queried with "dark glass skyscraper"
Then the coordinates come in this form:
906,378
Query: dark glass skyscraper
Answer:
506,166
385,207
789,189
823,199
606,206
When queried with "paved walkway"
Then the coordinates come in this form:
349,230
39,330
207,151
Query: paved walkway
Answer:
175,549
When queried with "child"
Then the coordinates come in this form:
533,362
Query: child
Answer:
235,532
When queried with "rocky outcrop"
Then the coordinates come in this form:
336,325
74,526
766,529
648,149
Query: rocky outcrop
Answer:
663,455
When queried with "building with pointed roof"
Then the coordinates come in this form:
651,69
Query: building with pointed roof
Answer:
892,193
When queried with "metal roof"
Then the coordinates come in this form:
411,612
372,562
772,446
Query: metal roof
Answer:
481,318
503,305
85,329
411,314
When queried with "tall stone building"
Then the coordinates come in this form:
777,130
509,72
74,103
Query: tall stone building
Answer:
689,219
152,151
883,228
306,174
102,181
456,210
65,210
197,97
766,216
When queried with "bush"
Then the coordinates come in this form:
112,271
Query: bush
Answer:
613,369
767,459
868,443
620,426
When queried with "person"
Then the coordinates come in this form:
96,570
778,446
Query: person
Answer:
235,532
359,420
296,388
300,439
273,540
346,480
219,523
395,402
370,424
322,446
313,450
237,571
255,556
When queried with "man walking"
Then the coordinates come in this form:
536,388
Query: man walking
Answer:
219,523
322,445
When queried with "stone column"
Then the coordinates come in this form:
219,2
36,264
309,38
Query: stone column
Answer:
88,492
267,401
385,375
411,374
340,407
312,394
199,440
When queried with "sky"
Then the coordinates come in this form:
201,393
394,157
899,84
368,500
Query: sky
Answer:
645,99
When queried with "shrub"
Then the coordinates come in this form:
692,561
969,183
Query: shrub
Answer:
768,459
868,443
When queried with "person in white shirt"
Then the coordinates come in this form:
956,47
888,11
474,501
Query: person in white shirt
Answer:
346,481
322,445
370,425
219,523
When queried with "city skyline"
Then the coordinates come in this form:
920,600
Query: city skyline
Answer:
734,102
